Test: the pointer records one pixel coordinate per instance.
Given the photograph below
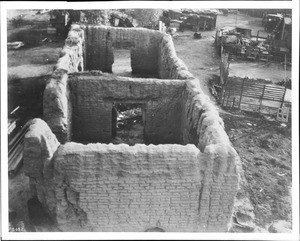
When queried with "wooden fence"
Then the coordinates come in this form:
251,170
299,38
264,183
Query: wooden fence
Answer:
252,96
224,67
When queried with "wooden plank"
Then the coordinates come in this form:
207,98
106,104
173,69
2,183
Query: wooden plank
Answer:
255,95
274,92
261,99
246,88
283,98
253,92
15,161
11,150
275,87
273,95
21,133
13,153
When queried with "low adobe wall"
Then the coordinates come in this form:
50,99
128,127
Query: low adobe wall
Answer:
200,125
169,65
92,97
143,48
121,188
56,94
99,187
205,129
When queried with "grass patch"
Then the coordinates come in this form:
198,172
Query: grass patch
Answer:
30,37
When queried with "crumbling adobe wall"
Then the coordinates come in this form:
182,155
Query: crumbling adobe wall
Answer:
56,95
204,128
103,187
143,42
40,145
92,96
169,65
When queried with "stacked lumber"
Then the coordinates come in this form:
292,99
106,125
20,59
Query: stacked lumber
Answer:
16,133
12,124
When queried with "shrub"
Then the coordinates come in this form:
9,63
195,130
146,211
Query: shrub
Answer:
18,21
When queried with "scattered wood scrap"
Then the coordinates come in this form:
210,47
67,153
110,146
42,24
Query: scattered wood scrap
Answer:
16,132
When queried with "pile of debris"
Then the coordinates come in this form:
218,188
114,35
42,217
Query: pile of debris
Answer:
191,19
240,43
17,128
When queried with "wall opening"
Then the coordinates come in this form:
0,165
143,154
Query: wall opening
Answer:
122,62
93,116
128,121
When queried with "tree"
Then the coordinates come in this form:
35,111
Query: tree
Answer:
145,17
96,16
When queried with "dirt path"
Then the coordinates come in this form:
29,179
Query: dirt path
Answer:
264,146
257,70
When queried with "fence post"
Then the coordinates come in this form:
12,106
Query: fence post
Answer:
223,94
228,96
283,97
261,98
241,93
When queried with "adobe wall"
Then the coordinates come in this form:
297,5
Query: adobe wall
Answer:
200,125
56,95
40,144
169,65
92,97
143,42
203,127
123,188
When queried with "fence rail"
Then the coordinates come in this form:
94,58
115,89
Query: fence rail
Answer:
236,93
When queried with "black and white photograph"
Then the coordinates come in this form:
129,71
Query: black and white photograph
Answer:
123,118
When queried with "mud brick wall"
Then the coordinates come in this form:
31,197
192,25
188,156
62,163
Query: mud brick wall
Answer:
204,128
56,96
92,96
103,187
143,42
169,65
40,145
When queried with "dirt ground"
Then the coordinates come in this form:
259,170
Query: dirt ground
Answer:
264,145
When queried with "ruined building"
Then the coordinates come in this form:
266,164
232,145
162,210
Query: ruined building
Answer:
183,180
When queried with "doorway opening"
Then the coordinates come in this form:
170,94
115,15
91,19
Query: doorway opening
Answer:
122,60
